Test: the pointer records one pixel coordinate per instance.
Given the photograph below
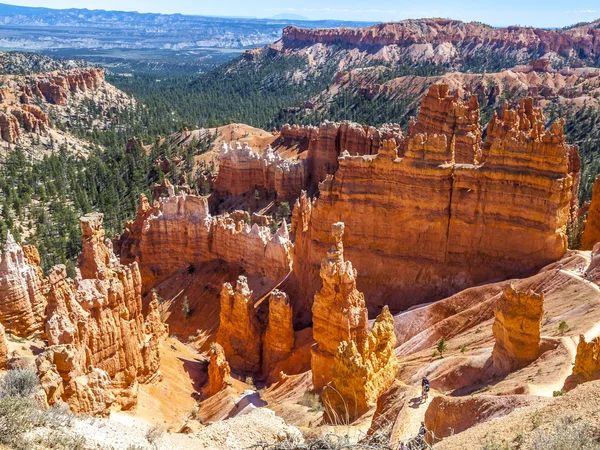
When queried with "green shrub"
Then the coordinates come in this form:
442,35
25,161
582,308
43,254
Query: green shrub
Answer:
17,416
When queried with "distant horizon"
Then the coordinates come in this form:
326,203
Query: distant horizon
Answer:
536,13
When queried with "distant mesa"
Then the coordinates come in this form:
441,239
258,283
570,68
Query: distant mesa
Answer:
285,16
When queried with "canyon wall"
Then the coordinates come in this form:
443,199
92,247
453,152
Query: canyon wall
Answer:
587,363
421,227
179,231
3,348
457,39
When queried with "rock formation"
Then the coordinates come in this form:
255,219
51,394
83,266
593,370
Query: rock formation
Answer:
361,373
3,348
179,231
239,329
423,227
445,114
517,329
241,171
339,313
99,345
446,41
22,303
587,363
219,373
591,234
278,340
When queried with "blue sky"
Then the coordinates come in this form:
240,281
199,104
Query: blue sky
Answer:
541,13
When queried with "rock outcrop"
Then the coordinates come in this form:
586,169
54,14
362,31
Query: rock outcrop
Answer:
278,340
179,231
339,313
447,115
219,373
517,329
241,171
100,347
587,363
362,373
447,41
239,329
591,234
22,303
421,227
3,348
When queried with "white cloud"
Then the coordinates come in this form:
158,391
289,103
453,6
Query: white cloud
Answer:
584,11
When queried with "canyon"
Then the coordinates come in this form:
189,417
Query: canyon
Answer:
327,270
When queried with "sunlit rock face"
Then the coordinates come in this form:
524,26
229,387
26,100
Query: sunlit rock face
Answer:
517,329
179,231
420,226
22,303
100,346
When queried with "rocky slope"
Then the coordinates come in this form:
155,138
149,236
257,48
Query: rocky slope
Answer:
31,107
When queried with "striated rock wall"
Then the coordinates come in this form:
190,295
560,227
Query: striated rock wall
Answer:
241,170
278,340
420,227
100,347
447,115
179,231
55,87
452,39
219,373
239,330
591,234
517,329
22,302
362,373
339,313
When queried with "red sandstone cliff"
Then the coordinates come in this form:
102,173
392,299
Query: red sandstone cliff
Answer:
423,227
179,231
591,234
452,38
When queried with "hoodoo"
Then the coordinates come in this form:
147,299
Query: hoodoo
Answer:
517,329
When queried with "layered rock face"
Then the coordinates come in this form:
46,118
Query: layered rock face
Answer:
56,87
422,227
591,234
361,374
22,302
241,170
219,373
278,340
239,330
339,313
440,40
99,344
445,114
587,363
517,329
179,230
325,143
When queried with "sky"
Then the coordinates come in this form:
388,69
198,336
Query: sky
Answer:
539,13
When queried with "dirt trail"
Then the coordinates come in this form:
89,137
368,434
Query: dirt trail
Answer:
410,418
